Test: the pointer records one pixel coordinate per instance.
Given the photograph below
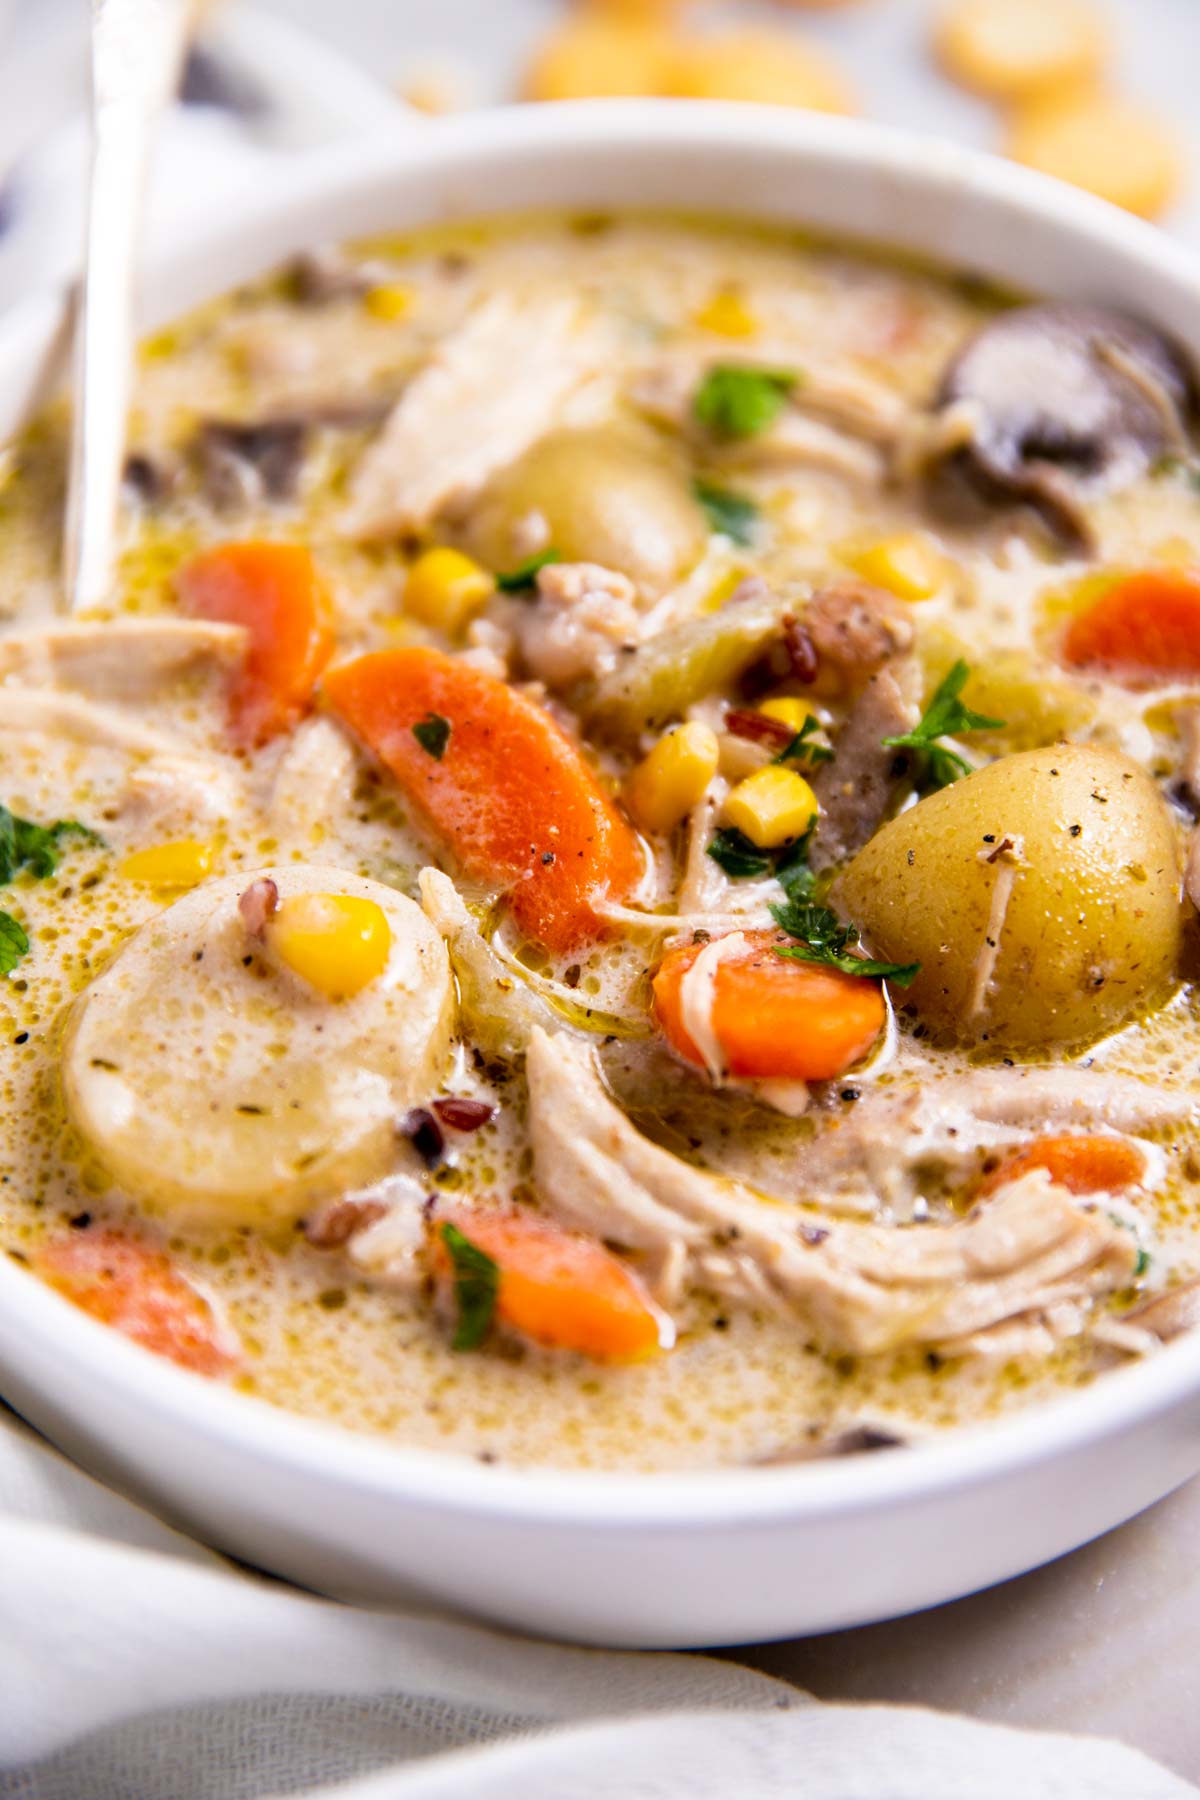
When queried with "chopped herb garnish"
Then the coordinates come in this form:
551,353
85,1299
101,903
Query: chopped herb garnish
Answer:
945,716
24,845
793,871
824,939
1180,467
476,1284
734,853
740,858
433,734
1141,1265
732,514
736,402
513,581
14,942
801,750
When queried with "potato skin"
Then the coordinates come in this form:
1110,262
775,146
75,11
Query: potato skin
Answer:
1092,929
608,495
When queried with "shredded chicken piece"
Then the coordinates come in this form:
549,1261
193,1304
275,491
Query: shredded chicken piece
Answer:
1007,857
796,442
856,790
128,659
500,1010
582,618
1025,1254
1169,1315
489,390
381,1230
884,1140
853,403
314,781
60,714
173,793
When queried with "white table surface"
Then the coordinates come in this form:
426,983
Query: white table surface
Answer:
1106,1640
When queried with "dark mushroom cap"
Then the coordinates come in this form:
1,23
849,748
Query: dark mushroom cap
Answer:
1068,402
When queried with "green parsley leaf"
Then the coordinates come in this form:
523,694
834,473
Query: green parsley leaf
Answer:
24,845
945,716
737,402
476,1284
1142,1264
732,851
800,750
826,940
433,734
732,514
793,872
14,942
514,581
1181,468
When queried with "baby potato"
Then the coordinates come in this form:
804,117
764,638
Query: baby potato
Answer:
219,1088
1040,896
606,495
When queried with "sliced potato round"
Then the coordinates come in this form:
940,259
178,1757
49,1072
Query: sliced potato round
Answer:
608,496
219,1088
1040,896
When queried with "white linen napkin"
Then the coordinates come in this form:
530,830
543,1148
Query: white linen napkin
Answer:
137,1665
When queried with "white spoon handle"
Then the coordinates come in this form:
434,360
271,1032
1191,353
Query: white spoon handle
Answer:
137,48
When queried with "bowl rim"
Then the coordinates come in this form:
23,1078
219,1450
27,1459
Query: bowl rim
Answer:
684,1500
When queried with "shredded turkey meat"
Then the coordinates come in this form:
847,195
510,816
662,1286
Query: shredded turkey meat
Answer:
130,659
1030,1257
582,619
489,390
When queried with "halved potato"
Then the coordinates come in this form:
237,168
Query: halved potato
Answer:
1041,896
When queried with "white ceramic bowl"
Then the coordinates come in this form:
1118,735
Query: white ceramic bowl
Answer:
657,1559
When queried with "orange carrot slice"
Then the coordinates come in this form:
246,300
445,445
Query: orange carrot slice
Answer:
275,592
1084,1165
138,1292
1145,627
498,781
562,1290
774,1018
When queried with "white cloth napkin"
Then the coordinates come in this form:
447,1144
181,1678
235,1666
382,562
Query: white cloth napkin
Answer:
137,1665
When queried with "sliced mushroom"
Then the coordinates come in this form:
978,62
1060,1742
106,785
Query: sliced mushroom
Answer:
1059,403
243,465
216,1089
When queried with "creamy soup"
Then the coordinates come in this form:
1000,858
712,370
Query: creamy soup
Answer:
612,889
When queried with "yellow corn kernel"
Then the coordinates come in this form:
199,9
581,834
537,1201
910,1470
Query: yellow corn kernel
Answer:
771,806
390,301
907,565
786,710
337,943
182,863
672,779
728,316
722,590
446,589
